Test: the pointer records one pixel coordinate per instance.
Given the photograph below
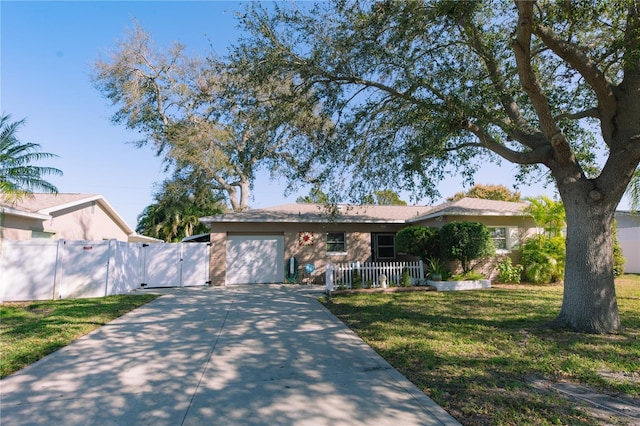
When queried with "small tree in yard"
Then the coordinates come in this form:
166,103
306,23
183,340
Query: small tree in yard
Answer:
419,241
466,241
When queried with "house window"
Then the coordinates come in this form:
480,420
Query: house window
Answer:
336,242
42,235
499,236
385,246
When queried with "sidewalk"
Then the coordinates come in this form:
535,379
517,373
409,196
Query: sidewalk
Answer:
245,355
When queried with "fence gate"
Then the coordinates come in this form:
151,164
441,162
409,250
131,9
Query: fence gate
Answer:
46,269
175,265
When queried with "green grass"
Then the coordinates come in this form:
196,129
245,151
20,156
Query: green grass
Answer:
31,330
474,352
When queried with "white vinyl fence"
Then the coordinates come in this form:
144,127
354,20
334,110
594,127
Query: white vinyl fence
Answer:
340,275
46,269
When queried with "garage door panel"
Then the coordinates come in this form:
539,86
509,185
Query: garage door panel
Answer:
255,259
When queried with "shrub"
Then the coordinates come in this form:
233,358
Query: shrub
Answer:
543,259
509,273
466,241
405,279
418,241
356,279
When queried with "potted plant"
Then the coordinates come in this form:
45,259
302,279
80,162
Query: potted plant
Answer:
436,268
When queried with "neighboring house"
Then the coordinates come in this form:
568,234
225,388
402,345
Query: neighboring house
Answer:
64,216
629,239
254,246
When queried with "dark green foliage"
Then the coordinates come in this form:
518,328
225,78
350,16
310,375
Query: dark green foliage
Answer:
316,196
465,242
419,241
179,204
543,259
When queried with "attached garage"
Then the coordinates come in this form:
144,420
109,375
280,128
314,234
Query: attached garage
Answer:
255,259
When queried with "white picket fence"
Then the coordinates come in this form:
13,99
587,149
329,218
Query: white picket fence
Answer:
340,275
47,269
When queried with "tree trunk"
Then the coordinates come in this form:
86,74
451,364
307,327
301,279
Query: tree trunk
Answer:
589,303
239,195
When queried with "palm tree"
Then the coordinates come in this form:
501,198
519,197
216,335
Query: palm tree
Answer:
18,175
178,204
633,191
548,214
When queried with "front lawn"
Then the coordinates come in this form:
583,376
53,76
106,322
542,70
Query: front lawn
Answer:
477,353
31,330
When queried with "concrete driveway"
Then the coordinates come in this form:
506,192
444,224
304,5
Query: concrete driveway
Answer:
243,355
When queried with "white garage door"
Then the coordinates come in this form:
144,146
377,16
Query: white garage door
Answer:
255,259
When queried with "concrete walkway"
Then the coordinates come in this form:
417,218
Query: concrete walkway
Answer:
246,355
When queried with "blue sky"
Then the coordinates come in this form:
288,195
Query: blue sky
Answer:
47,49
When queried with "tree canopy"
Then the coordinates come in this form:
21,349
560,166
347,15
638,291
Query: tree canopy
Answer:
193,112
417,89
19,175
488,192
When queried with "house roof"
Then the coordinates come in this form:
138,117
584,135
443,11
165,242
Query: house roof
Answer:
42,206
48,203
475,207
319,213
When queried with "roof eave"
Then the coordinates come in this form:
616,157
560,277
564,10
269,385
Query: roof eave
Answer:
483,213
21,213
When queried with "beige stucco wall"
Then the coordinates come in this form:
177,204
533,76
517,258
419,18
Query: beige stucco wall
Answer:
16,227
84,222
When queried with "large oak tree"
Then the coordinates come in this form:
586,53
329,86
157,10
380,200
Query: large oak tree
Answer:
191,110
418,86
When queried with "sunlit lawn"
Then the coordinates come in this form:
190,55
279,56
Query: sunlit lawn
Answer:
474,352
31,330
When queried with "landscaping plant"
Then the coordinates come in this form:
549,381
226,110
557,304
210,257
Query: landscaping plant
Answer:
543,259
405,279
419,241
508,272
466,242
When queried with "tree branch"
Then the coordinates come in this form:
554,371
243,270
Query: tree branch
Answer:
576,58
522,50
592,112
540,155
